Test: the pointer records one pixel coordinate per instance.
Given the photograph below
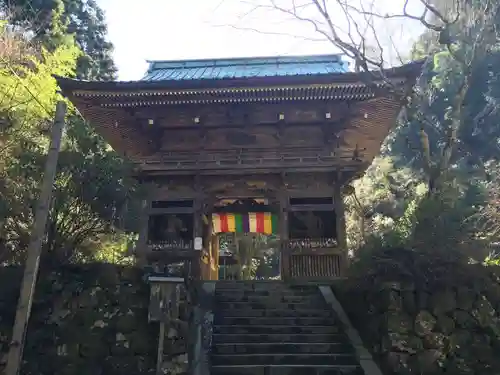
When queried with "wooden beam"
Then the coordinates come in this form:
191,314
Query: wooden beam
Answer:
141,247
171,210
340,224
23,312
311,193
319,251
198,227
312,207
160,169
283,231
166,256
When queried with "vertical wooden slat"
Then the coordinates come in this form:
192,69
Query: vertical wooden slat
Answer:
197,268
215,253
142,242
283,232
315,266
341,230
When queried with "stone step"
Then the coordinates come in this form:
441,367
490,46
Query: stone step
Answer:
278,338
249,312
264,359
226,285
263,292
312,299
286,370
282,348
277,329
274,321
268,303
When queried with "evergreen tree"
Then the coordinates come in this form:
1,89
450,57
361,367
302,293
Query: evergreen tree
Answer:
83,217
53,20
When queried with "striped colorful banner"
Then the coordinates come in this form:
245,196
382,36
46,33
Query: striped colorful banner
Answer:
253,222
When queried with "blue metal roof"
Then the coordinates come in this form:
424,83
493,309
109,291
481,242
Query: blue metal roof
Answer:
245,67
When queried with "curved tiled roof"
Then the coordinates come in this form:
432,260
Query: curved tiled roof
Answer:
120,109
245,67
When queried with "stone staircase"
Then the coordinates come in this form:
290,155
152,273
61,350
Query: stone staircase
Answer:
271,328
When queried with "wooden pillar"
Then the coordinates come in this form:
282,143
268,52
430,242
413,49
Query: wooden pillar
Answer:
215,252
142,242
197,264
212,240
338,201
23,311
283,233
207,242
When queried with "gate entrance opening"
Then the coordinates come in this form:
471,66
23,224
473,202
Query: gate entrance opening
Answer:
290,130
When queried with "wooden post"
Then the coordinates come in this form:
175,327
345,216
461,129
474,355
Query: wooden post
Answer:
31,267
196,269
283,232
161,344
208,243
338,201
215,252
141,247
142,242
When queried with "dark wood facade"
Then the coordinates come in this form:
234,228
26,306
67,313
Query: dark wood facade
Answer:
288,139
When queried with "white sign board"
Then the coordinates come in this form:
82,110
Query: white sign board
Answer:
198,243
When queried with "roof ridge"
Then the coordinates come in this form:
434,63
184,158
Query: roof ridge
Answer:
245,61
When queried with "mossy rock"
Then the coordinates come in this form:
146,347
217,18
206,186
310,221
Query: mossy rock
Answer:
94,345
141,343
398,322
464,319
484,313
459,339
465,298
126,321
445,324
424,323
443,302
435,340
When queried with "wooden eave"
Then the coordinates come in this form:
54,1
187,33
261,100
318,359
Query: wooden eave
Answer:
110,106
268,94
70,86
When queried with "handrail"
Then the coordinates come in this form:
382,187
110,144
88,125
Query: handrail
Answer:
174,244
310,243
211,155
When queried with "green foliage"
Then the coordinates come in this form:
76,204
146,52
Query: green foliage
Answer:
459,216
86,220
53,21
114,248
380,212
493,259
28,95
28,89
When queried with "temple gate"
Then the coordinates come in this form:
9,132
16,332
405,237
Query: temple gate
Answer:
288,130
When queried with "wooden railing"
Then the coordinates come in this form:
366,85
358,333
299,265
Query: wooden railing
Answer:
170,251
313,259
257,158
309,244
170,245
315,266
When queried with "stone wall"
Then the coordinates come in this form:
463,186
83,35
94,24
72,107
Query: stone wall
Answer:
449,325
90,320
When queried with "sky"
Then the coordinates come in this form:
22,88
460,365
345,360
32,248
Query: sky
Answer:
193,29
